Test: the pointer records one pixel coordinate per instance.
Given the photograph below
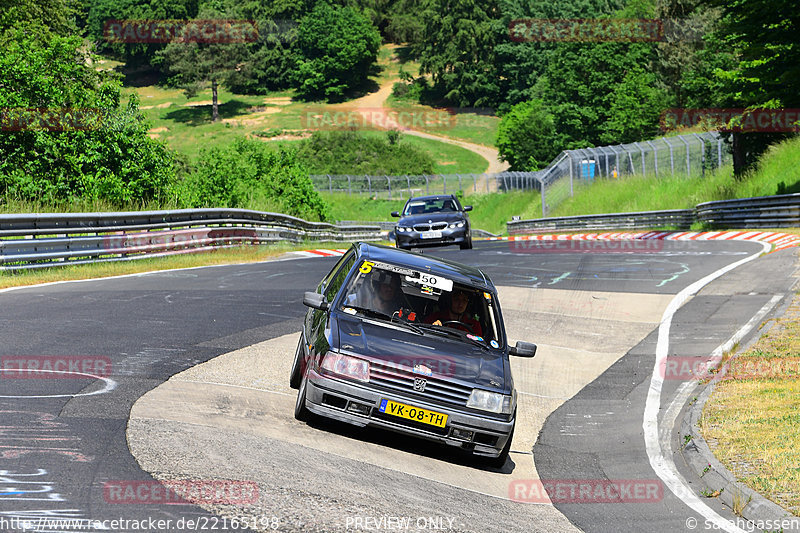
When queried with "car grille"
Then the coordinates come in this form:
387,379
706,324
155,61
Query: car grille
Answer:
428,227
401,380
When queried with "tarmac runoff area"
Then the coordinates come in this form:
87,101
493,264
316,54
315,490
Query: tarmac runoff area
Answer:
232,418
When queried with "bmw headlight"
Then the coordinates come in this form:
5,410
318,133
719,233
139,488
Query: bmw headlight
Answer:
345,365
401,229
493,402
456,225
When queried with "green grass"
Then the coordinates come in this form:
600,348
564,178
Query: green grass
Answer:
478,128
490,211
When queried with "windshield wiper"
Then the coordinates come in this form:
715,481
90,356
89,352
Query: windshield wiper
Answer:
372,313
458,334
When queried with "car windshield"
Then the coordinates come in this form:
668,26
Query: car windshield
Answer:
435,205
430,303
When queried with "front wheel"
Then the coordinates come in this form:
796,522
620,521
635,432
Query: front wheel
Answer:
500,460
467,245
300,410
297,366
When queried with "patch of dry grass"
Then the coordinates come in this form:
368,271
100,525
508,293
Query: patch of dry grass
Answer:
754,421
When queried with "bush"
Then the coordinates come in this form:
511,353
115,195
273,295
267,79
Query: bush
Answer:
350,152
526,136
106,157
249,175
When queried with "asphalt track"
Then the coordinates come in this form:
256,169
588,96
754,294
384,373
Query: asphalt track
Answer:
594,314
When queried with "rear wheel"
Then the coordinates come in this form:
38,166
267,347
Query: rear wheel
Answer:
297,366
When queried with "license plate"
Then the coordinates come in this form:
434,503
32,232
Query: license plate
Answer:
413,413
430,235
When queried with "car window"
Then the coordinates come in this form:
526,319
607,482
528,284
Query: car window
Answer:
382,290
335,282
421,207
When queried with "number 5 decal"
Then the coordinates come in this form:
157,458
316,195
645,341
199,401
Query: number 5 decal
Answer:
366,268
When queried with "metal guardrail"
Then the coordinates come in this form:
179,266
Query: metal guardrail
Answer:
760,212
676,219
52,239
778,211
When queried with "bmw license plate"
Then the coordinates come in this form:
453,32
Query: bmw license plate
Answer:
413,413
430,235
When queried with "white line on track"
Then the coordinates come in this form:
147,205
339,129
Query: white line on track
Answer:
661,464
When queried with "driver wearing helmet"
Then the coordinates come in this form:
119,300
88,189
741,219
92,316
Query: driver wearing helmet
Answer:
456,311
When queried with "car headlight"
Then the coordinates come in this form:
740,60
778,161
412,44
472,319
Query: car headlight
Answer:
456,225
345,365
401,229
493,402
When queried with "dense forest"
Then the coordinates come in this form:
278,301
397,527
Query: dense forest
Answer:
551,93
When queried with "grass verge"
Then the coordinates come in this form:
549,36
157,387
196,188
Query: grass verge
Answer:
243,254
752,422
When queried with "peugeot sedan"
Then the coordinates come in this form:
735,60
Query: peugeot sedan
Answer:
412,344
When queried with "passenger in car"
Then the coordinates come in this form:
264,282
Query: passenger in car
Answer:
456,311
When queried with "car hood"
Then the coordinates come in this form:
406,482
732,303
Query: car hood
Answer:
445,358
433,217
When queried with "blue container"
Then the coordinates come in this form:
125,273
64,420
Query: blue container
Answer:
587,169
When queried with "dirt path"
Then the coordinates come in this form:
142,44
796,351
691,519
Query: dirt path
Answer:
377,100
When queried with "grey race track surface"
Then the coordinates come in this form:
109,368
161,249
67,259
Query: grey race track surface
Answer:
154,326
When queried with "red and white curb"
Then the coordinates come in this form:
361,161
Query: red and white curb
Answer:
779,241
322,252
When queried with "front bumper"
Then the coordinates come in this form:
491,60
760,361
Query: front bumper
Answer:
408,239
358,404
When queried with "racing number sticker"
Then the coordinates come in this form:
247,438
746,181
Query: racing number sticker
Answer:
366,268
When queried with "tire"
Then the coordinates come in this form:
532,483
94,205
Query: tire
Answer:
467,245
297,365
301,413
500,460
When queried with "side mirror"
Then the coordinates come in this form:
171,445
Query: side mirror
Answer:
395,214
467,208
523,349
315,300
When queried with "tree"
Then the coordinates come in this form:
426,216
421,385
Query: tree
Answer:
198,64
766,37
458,50
336,48
68,137
526,136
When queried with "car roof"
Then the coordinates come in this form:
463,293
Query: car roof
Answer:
464,274
431,197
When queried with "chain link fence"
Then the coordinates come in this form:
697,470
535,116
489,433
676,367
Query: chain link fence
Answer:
407,186
683,155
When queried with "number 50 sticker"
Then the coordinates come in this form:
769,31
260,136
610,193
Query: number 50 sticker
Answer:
432,281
